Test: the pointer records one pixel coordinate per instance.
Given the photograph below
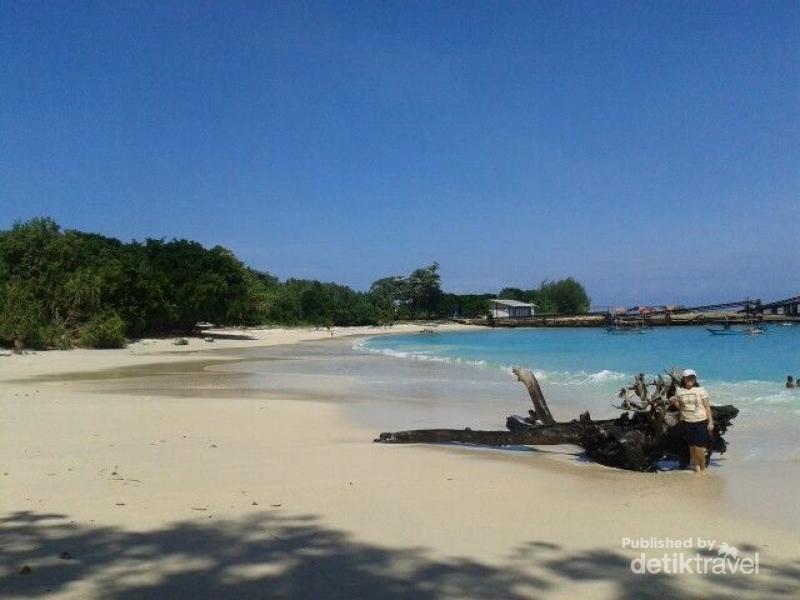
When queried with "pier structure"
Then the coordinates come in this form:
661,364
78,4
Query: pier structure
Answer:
786,307
740,311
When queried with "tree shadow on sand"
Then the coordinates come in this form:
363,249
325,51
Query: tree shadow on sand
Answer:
263,556
272,556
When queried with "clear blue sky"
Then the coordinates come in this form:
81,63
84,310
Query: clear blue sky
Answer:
618,142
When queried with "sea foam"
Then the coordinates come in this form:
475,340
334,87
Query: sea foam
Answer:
435,354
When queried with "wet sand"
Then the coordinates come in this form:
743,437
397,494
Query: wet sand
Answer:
201,476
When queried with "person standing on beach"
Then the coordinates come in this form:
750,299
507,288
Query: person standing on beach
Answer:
692,401
790,382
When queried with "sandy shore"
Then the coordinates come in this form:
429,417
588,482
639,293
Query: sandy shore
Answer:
141,492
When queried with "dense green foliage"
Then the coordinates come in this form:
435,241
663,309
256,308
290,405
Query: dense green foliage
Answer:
565,296
470,306
300,301
59,288
419,296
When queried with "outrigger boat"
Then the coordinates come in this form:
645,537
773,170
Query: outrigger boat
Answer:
722,330
624,327
752,328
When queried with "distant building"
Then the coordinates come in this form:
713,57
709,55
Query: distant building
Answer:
511,309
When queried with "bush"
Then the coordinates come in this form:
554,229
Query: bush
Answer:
22,317
104,331
56,335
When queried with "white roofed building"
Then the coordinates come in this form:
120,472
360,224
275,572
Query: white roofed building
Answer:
511,309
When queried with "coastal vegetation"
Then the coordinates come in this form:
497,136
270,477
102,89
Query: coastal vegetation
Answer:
61,288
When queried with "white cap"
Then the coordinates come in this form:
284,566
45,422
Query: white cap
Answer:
689,373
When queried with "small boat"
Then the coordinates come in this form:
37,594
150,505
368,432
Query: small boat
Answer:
722,331
621,330
621,326
726,329
754,330
428,332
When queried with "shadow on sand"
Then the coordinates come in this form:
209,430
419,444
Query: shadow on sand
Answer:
270,556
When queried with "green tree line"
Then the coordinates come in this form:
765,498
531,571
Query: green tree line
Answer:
60,288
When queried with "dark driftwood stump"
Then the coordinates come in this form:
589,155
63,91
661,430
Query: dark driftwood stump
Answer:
634,442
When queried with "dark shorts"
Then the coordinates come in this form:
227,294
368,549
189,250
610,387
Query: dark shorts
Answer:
696,434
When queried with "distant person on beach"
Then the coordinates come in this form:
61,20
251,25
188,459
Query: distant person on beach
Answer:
790,382
698,422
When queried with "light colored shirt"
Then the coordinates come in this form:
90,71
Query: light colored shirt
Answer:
693,410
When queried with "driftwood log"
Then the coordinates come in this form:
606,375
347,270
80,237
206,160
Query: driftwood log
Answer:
647,431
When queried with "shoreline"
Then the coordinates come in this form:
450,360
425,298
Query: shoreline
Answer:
163,350
132,468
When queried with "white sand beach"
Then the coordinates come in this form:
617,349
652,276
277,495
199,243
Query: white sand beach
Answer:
110,492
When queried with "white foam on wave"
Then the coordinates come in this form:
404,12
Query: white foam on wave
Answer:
580,378
425,356
787,397
552,377
754,393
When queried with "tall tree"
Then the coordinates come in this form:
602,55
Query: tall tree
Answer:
423,290
565,296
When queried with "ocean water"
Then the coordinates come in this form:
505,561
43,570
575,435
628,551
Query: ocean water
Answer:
590,354
586,368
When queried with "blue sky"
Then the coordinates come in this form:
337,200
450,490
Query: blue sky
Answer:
650,149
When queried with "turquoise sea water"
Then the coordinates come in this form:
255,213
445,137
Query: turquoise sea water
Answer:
749,371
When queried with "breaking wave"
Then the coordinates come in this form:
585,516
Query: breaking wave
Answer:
435,354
